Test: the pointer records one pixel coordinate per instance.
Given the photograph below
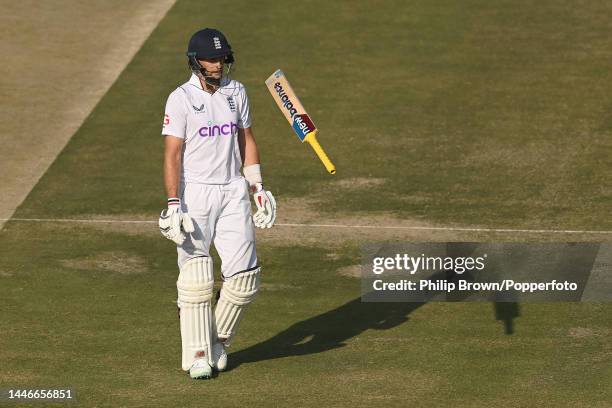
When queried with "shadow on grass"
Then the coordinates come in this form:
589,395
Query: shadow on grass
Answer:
506,312
330,330
327,331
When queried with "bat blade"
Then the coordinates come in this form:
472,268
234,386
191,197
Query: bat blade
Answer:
296,115
290,105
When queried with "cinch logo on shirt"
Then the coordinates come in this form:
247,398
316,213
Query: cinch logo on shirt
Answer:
217,130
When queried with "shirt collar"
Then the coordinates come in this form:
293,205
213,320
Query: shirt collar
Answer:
194,80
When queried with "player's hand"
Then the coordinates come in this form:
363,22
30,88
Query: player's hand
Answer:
175,224
266,207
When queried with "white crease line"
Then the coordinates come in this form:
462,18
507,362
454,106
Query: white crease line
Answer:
529,231
76,220
448,229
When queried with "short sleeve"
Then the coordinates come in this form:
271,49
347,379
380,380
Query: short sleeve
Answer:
244,110
175,117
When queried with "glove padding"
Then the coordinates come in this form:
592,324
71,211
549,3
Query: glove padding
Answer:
175,224
266,208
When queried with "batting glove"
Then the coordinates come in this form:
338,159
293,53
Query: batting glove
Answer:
175,224
266,207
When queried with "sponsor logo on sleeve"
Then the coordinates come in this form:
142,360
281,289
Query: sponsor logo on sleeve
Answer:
166,119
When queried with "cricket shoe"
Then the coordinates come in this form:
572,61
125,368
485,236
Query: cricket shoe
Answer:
219,356
200,369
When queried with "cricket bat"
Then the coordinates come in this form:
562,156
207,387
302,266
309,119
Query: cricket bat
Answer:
295,113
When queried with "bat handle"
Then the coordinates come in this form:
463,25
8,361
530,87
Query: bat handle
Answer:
311,138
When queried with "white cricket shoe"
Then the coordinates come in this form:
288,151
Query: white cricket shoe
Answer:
219,356
200,369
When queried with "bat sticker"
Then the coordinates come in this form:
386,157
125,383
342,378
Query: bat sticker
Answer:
303,125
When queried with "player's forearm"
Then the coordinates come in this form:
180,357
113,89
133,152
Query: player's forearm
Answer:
251,154
172,168
248,148
250,159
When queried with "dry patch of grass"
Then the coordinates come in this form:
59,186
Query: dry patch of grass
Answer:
358,183
277,286
352,271
116,261
588,332
378,381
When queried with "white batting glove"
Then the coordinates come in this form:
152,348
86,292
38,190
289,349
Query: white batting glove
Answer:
175,224
266,207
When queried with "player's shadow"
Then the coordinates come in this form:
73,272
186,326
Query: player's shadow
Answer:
327,331
330,330
506,312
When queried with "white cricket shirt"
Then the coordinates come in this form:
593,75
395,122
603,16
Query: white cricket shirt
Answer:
209,125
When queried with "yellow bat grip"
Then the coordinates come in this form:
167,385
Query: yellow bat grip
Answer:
311,138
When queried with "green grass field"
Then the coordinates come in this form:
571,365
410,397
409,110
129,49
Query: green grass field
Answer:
472,113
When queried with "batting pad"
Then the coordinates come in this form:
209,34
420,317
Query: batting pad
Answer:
195,288
236,293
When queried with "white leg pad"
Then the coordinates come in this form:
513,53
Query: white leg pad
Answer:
195,288
236,293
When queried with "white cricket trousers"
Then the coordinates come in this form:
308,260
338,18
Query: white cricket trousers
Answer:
222,215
